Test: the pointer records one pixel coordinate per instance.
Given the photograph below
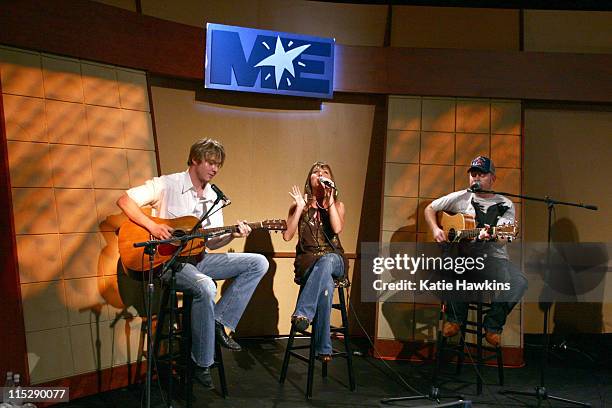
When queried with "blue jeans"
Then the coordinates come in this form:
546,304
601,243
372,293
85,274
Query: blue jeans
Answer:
501,306
316,297
246,269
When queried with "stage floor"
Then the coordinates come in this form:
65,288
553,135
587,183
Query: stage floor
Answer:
253,373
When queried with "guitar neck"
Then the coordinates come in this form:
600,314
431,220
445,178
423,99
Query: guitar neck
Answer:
229,228
469,233
474,233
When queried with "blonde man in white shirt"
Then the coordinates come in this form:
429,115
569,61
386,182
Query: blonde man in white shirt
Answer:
190,193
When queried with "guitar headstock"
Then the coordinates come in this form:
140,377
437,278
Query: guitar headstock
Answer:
274,225
507,231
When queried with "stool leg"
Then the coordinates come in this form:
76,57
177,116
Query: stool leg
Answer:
441,343
347,343
500,365
186,352
141,350
479,337
311,362
161,317
287,355
189,368
221,367
461,349
324,363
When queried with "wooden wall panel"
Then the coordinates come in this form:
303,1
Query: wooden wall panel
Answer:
349,24
567,157
430,143
12,329
455,27
500,74
107,34
568,31
67,153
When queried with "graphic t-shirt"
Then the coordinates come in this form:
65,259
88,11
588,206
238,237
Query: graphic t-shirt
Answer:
497,210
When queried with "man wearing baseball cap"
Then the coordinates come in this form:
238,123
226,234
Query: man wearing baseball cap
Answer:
487,209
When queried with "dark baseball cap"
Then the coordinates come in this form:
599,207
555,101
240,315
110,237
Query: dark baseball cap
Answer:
483,164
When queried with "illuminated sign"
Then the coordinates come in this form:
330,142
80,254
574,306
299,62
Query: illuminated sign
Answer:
250,60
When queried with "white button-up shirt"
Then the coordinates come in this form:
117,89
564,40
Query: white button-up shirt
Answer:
174,195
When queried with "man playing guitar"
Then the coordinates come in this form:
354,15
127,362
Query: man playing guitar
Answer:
189,193
487,210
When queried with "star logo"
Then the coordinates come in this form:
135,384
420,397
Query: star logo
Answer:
245,60
282,60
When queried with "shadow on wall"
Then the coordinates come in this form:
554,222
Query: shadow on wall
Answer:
362,315
261,315
407,320
587,259
126,294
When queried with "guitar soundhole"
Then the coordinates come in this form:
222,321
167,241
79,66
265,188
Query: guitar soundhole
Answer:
452,234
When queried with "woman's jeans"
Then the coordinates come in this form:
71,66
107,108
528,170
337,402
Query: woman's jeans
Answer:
316,297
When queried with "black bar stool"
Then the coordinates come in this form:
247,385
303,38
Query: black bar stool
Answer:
476,328
181,334
341,286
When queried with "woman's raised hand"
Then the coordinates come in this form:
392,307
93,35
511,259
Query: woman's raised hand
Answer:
296,194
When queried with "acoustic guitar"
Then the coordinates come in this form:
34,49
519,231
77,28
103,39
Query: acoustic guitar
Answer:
459,227
134,258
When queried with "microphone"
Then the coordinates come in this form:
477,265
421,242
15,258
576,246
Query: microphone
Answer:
220,194
327,182
475,188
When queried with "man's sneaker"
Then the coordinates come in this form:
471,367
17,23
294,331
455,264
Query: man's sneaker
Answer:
493,339
450,329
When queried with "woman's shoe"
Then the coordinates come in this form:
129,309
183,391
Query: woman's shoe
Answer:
325,358
300,323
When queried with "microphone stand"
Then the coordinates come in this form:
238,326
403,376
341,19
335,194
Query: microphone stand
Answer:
540,392
150,248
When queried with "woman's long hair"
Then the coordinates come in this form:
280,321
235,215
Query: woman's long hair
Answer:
316,166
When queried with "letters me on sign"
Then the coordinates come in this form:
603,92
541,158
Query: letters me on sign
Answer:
250,60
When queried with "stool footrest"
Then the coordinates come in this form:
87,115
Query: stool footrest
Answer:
166,357
478,351
299,356
340,333
487,348
179,362
307,346
177,335
485,308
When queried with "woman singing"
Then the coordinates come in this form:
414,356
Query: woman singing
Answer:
318,217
